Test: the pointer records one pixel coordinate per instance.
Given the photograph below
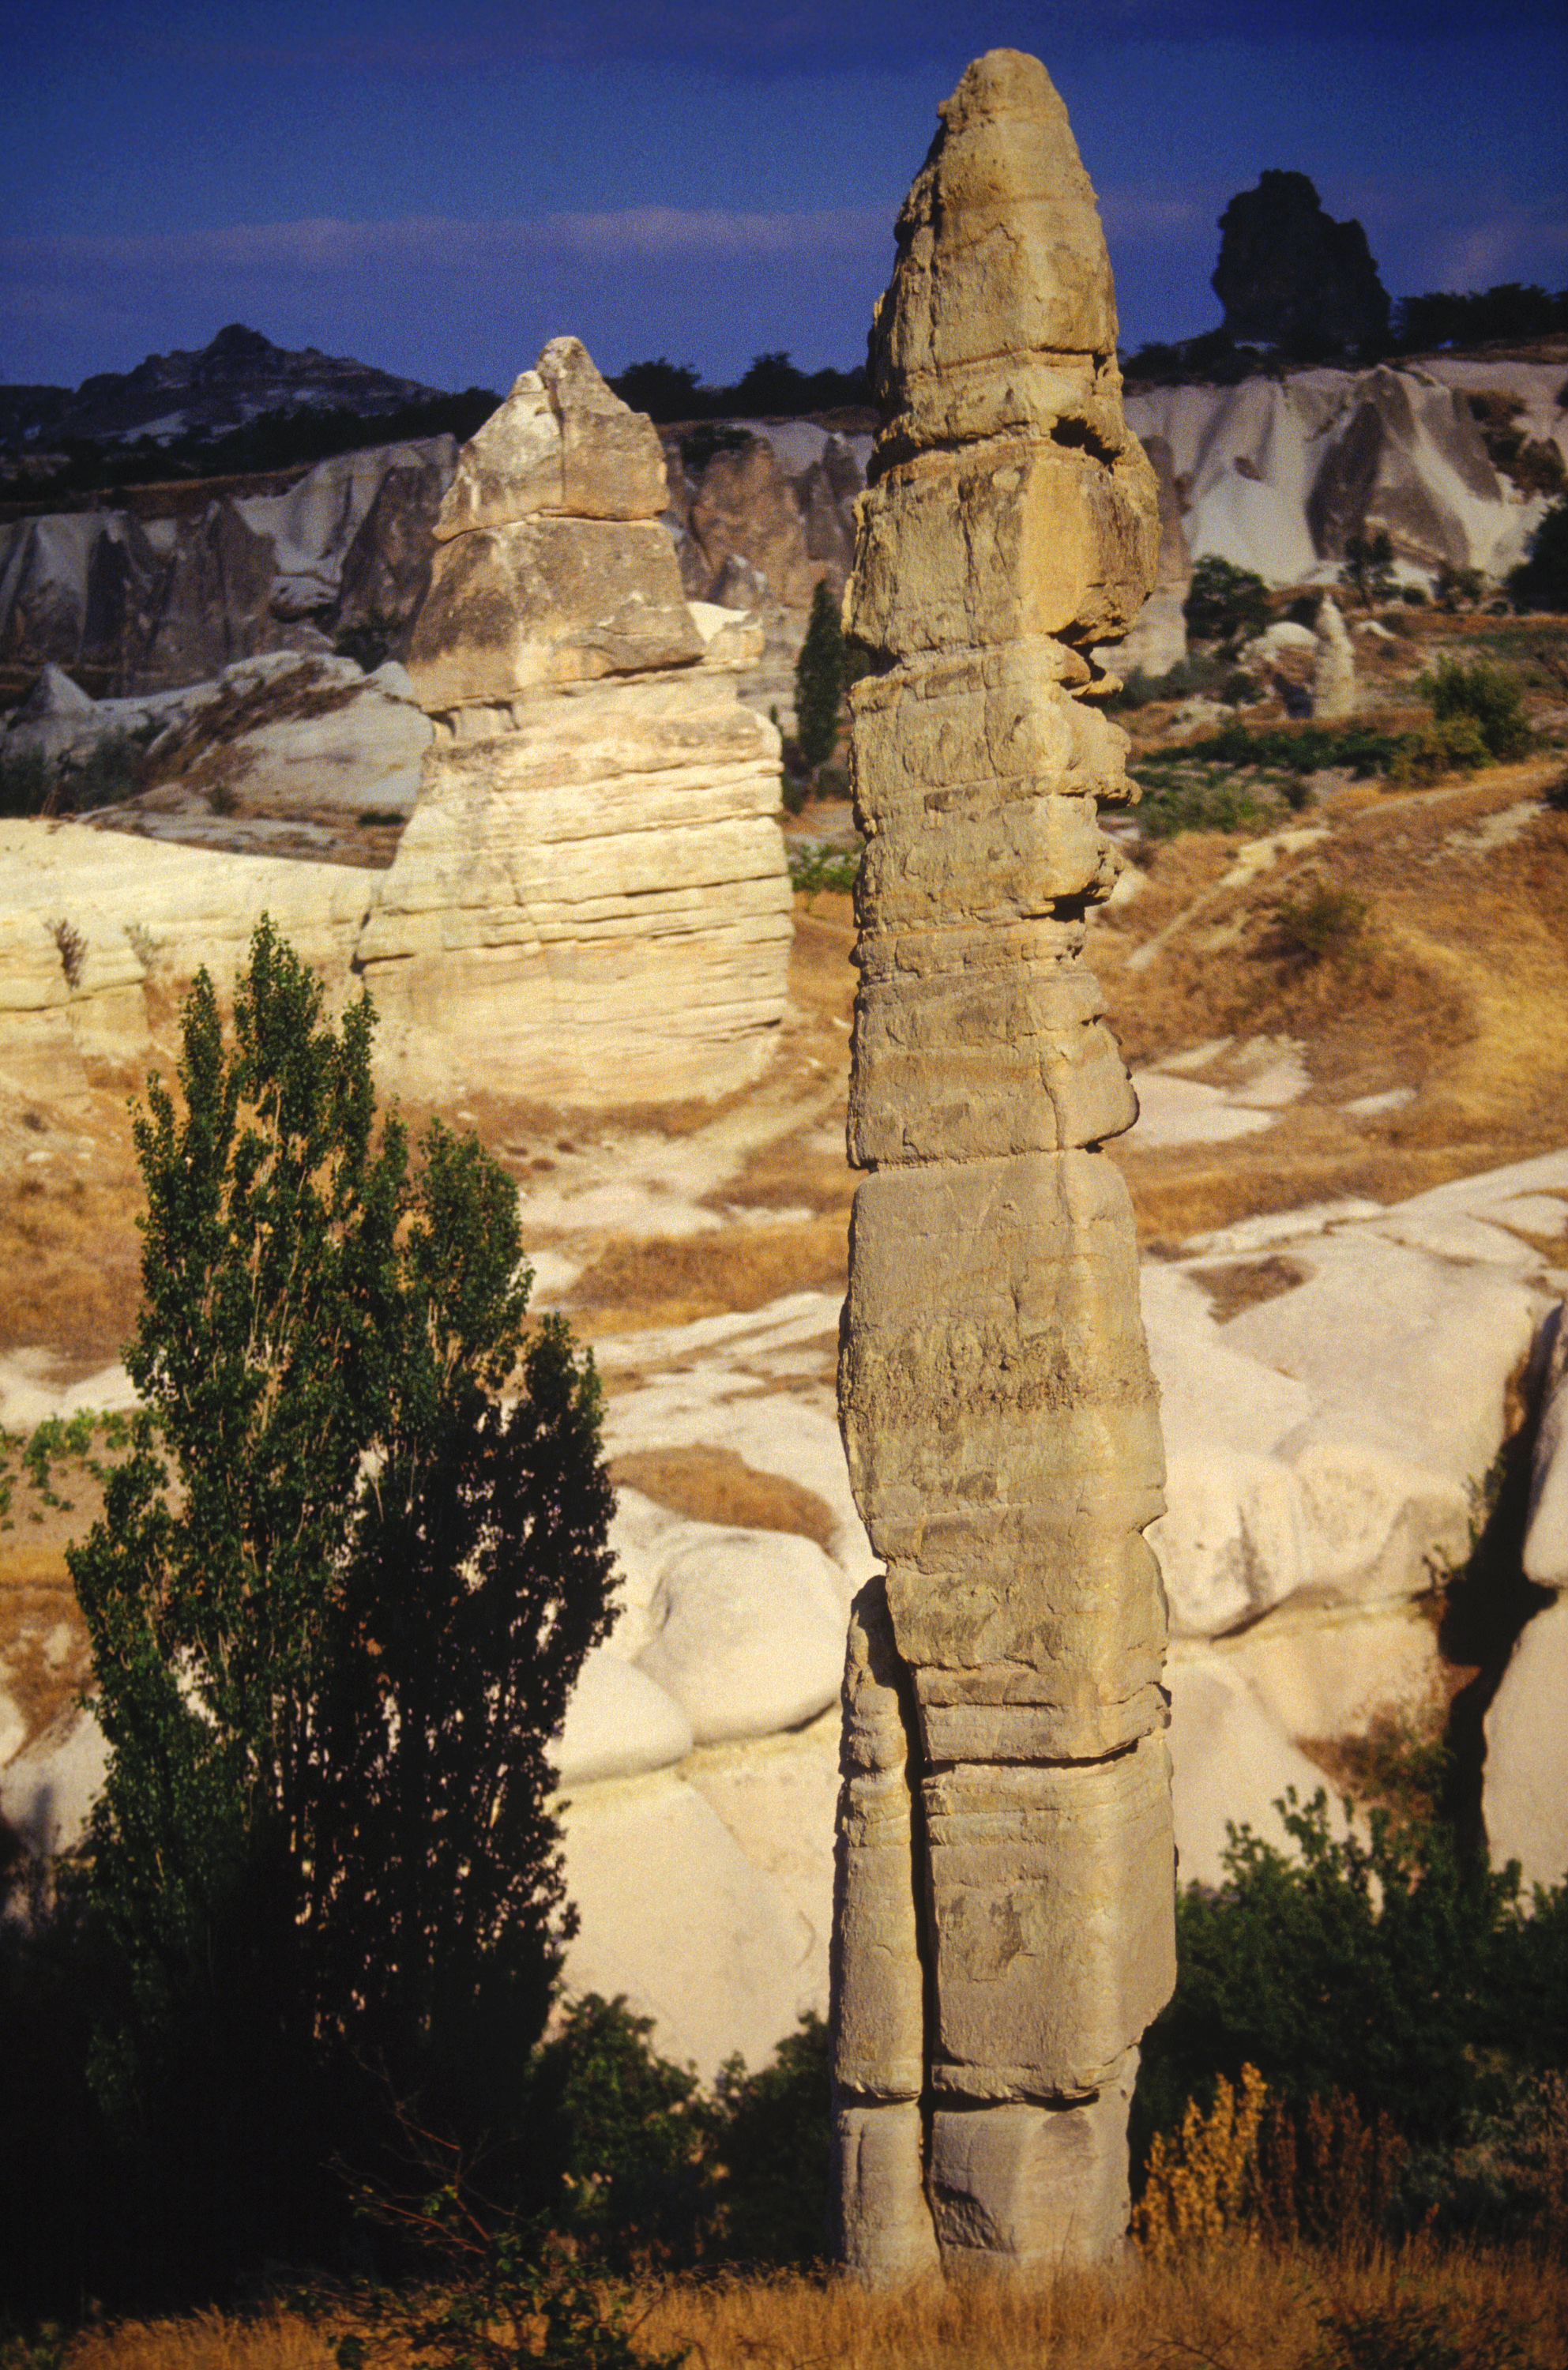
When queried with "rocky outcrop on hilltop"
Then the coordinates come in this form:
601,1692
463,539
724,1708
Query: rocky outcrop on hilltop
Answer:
1290,276
1003,1928
238,374
590,902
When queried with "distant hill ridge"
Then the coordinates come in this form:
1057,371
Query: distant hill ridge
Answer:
238,375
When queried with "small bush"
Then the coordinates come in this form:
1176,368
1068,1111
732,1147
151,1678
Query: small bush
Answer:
1327,922
1456,746
369,643
108,773
1488,694
1413,597
824,868
26,779
1368,567
1224,603
1541,580
73,949
1459,588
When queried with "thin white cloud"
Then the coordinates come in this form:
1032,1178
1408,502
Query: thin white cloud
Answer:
328,245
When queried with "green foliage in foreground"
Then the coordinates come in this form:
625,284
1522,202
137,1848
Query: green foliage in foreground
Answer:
336,1603
1391,1968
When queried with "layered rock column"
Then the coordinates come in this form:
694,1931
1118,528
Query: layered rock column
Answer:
1004,1919
589,903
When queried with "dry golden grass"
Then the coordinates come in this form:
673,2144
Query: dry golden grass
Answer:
714,1485
1237,2306
1461,992
673,1280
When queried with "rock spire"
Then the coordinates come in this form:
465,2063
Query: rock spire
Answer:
1004,1925
591,903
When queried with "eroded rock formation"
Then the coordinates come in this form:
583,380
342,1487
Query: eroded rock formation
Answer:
590,902
1005,1877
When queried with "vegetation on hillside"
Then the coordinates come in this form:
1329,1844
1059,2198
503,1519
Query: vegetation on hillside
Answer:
278,440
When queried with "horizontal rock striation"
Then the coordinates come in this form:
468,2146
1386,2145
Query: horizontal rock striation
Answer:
590,902
1004,1881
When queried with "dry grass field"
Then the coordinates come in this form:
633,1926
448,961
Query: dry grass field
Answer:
1238,2307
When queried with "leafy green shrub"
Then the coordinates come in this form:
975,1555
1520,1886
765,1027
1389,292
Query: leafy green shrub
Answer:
1488,694
1196,798
626,2134
1368,566
1455,746
824,868
1541,582
108,773
773,2145
1459,588
1392,1969
1224,603
26,778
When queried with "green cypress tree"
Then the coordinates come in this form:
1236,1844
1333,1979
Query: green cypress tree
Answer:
819,680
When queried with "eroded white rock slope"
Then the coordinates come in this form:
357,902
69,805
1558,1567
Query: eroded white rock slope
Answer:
1324,1446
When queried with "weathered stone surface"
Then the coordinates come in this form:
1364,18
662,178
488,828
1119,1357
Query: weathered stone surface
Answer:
878,1981
881,2222
1004,1909
1051,1917
1033,2184
1524,1784
591,898
1334,671
548,601
563,444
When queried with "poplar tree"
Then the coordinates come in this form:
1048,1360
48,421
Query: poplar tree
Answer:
337,1602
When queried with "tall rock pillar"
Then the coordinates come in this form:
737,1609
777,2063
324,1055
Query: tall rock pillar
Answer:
1004,1923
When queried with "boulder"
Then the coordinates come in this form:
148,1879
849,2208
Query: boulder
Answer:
1231,1764
748,1634
1524,1798
676,1919
619,1724
1546,1533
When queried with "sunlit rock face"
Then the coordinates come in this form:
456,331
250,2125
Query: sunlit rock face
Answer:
590,902
1005,1873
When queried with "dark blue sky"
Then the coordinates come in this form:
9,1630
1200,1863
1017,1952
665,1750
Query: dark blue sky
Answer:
438,190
